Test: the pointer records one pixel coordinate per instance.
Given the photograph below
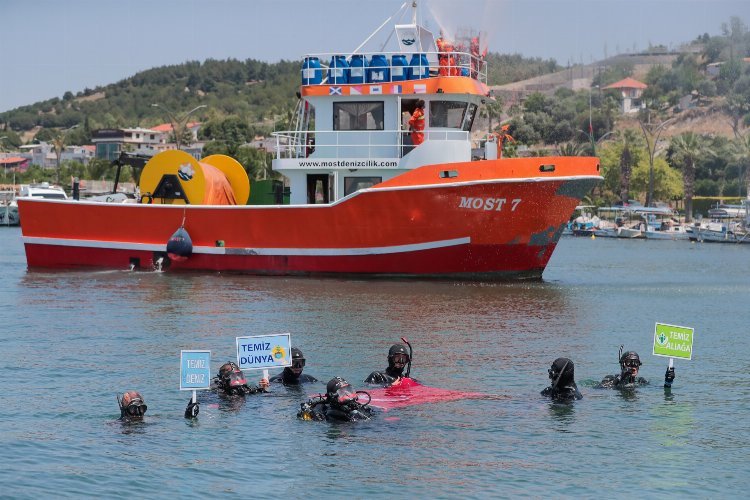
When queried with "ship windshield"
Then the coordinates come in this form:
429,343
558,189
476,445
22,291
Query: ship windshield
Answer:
469,121
358,115
447,114
49,196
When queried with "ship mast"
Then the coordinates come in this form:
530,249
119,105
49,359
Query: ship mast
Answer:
399,11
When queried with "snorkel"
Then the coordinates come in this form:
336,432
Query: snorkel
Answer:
408,365
559,375
624,374
630,364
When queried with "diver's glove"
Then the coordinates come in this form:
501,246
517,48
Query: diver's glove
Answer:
669,377
263,385
192,409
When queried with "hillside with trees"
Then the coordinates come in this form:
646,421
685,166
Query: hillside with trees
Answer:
252,90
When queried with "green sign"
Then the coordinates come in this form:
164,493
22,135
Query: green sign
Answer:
673,341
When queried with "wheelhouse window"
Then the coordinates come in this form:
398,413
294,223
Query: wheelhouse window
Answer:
352,184
469,121
448,114
358,115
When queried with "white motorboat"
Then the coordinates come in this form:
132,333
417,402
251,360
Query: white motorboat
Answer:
8,208
726,211
668,232
43,190
662,223
719,231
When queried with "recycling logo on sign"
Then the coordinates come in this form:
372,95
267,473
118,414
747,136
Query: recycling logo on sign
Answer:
662,339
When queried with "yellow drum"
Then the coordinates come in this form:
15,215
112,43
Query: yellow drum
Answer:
176,177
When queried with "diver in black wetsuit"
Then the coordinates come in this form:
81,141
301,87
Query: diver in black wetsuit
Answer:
292,375
628,378
398,358
340,403
563,386
132,406
230,381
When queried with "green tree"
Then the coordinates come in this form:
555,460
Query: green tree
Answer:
571,149
610,155
713,48
507,68
740,153
99,168
651,133
688,148
227,135
492,110
35,173
627,160
668,182
58,144
45,135
257,163
11,140
737,105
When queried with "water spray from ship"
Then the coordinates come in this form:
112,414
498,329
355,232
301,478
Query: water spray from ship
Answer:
449,17
441,16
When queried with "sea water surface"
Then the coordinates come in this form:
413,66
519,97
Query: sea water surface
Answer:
71,341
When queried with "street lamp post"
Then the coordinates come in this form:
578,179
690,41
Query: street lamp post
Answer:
590,134
649,136
177,125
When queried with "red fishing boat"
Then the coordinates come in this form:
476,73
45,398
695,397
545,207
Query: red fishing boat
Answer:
364,199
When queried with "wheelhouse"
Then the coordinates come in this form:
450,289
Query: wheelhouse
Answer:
351,128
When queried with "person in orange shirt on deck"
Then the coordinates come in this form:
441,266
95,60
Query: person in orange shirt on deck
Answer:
416,123
475,61
442,47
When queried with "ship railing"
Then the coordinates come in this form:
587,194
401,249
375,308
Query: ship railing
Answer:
356,143
336,68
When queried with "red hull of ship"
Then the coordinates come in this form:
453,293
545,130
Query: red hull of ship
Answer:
486,220
478,263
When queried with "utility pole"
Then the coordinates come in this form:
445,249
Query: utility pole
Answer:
590,134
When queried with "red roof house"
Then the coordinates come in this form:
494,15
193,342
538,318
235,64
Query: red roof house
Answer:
631,91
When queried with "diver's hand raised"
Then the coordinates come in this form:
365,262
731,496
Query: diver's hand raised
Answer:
263,385
669,377
192,409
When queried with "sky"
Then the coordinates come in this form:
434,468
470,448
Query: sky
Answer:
48,47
